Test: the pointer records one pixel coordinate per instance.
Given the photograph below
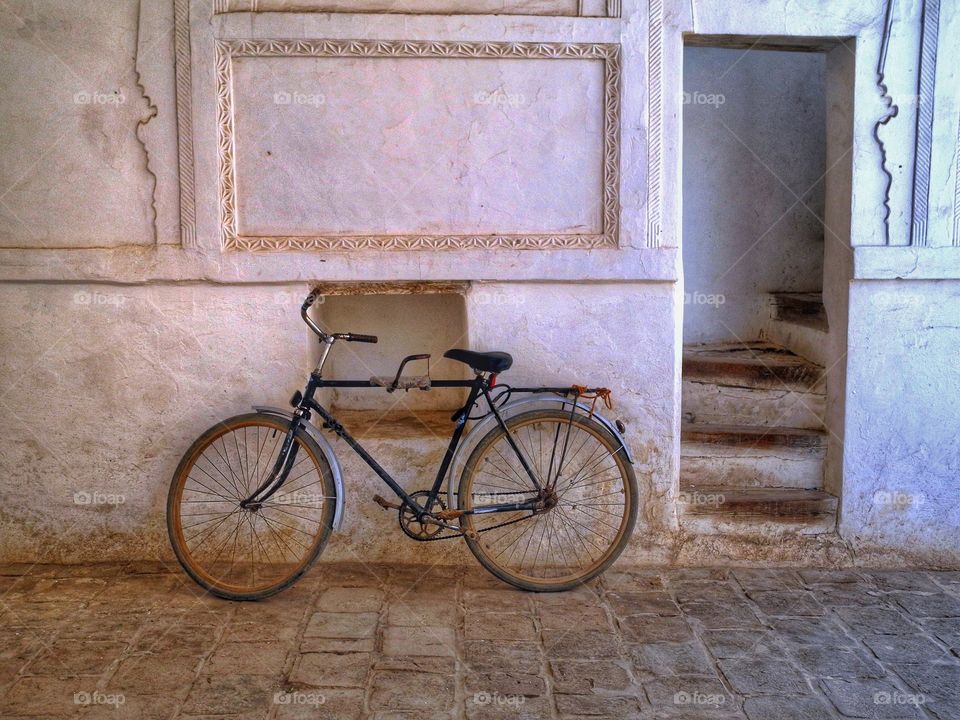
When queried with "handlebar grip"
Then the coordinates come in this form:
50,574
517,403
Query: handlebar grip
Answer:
352,337
311,299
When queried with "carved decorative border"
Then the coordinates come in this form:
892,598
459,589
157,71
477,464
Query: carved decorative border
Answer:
229,49
655,124
923,145
188,219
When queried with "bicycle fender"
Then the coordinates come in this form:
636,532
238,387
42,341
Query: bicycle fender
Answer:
484,426
327,451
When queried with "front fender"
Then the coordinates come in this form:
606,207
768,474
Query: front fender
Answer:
327,451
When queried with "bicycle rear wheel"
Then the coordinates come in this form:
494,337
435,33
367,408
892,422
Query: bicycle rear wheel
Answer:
249,554
586,523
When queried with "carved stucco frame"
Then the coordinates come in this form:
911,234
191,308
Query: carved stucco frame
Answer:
608,53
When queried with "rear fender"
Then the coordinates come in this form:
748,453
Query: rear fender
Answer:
477,432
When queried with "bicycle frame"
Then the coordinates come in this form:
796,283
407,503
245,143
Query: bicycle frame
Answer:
478,387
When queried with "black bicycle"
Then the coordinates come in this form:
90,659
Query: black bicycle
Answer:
546,498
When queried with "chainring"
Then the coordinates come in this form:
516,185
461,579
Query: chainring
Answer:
420,530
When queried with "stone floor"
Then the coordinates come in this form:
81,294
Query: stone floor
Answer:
372,641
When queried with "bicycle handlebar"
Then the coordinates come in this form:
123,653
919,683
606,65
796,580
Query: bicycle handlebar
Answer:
349,337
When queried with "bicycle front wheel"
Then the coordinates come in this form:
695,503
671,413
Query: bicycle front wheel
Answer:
591,503
249,553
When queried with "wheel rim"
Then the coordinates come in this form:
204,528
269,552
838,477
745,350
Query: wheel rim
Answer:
246,551
573,539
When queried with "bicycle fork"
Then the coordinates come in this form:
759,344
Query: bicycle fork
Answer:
280,471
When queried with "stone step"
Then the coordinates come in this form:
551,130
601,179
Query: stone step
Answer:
752,365
751,384
752,456
804,308
768,503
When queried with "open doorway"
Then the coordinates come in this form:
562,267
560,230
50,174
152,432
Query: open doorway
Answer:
760,139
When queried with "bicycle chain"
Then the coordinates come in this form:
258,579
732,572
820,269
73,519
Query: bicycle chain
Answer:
492,527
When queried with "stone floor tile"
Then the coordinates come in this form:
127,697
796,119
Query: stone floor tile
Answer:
660,659
499,600
847,594
810,631
504,684
762,579
689,696
489,655
938,605
786,707
46,696
937,681
513,627
744,644
889,580
575,643
870,699
481,706
582,617
420,610
337,645
648,628
599,706
787,603
153,675
814,576
905,648
947,630
231,694
577,677
722,616
697,592
763,677
347,670
68,658
248,659
351,599
430,641
402,690
313,704
342,625
876,620
833,662
634,580
625,603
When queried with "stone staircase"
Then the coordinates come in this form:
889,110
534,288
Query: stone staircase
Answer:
753,442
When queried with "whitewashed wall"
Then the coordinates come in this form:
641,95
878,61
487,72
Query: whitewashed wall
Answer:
133,312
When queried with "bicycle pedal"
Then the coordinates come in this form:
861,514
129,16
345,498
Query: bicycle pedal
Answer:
385,504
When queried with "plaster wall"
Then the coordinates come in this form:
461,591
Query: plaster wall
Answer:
129,325
901,467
